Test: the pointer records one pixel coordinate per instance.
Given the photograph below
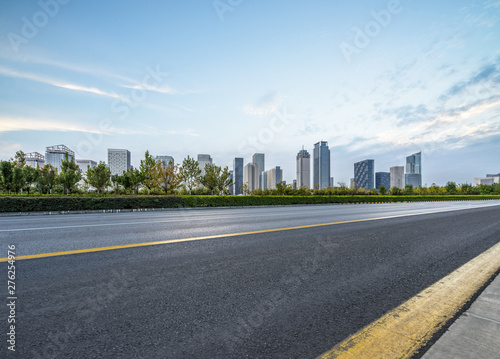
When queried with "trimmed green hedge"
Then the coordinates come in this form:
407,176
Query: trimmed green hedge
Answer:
80,203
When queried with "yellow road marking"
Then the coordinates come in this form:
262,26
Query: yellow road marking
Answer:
133,245
404,330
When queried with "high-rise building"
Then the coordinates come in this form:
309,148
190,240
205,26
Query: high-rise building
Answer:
263,180
303,169
251,176
397,174
321,164
237,175
118,160
383,179
204,160
165,160
54,155
414,170
274,176
364,174
259,160
84,164
34,159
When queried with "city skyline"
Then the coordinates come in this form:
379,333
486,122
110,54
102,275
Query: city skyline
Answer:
398,176
381,79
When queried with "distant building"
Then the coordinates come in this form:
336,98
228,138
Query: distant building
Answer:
165,160
237,175
497,175
321,165
263,180
34,159
118,160
332,184
204,160
54,155
303,169
84,164
413,174
397,176
274,176
488,180
259,160
382,179
251,176
294,184
353,183
364,174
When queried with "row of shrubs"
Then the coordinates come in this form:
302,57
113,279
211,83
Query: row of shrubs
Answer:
87,203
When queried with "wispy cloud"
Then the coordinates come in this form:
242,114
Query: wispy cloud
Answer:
57,83
9,124
265,105
165,89
488,75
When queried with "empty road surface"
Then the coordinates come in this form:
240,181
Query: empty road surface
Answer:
228,283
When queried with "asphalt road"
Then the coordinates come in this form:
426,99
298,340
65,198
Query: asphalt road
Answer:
283,294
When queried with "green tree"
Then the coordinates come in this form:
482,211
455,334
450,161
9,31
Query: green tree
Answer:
148,171
280,188
46,178
211,178
467,188
451,188
99,177
191,173
18,180
6,176
382,190
135,179
408,191
70,174
19,159
395,191
169,178
224,181
30,177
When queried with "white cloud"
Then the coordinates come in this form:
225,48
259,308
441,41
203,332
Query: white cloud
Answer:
265,105
37,78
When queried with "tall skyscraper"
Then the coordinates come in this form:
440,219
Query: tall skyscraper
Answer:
259,160
118,160
204,160
414,170
397,176
383,179
237,175
303,169
274,176
54,155
364,172
263,180
321,164
251,176
35,159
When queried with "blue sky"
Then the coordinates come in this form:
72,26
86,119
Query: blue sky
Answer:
376,79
